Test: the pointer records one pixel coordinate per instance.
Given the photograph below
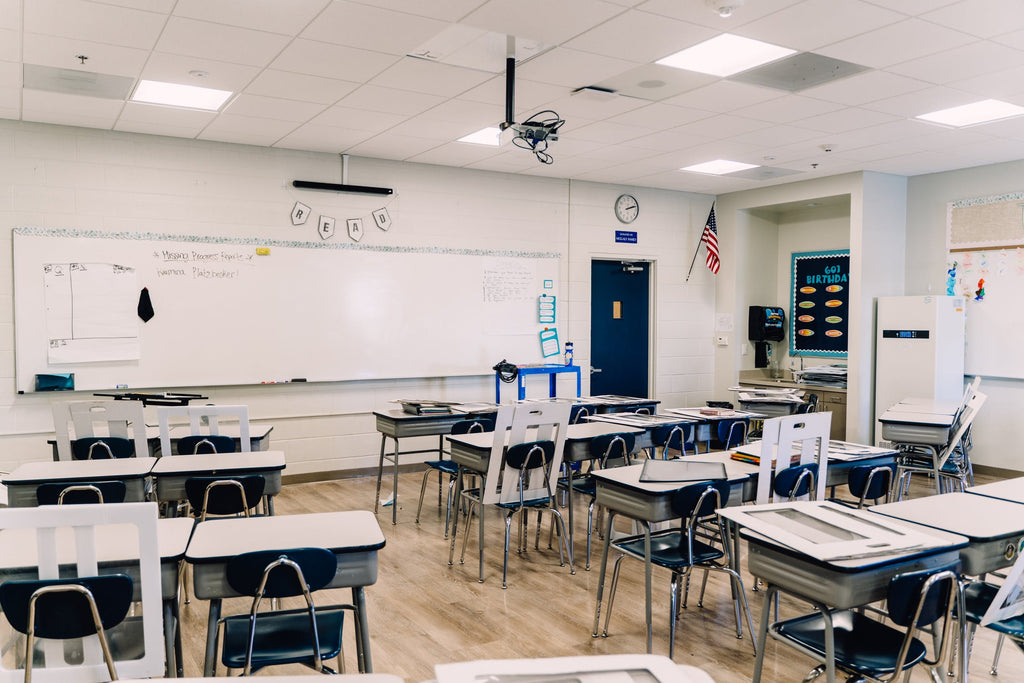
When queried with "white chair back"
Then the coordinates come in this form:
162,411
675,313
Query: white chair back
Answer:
517,424
78,419
785,438
52,541
203,420
966,418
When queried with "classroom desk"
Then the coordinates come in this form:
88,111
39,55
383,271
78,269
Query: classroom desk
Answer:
1007,489
397,424
354,537
610,403
22,483
620,490
170,473
117,554
644,421
259,436
914,426
704,431
834,584
472,452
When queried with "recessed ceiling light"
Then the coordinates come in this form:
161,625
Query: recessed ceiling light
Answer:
974,113
725,55
490,136
718,167
177,95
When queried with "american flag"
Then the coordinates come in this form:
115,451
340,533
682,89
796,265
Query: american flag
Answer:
710,240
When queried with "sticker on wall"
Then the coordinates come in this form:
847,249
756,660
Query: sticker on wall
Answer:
300,212
355,229
325,227
382,219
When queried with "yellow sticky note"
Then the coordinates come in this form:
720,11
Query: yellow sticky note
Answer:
263,251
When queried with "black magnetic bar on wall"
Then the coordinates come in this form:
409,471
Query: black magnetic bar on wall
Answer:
339,187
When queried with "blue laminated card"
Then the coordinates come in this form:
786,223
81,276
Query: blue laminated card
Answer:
549,343
545,309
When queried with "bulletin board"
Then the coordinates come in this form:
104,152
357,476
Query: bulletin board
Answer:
985,265
230,311
820,304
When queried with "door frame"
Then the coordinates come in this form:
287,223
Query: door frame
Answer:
652,360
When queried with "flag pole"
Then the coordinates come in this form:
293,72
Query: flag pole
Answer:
699,242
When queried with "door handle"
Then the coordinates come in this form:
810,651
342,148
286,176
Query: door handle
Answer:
593,369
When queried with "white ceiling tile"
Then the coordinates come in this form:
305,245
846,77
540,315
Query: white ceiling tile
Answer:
528,94
219,75
962,62
137,112
62,53
571,68
72,110
180,129
660,116
161,6
392,147
675,138
983,18
543,20
10,45
289,86
419,75
455,154
223,43
1006,84
262,15
1014,39
701,13
94,22
246,130
787,109
461,111
581,105
389,100
356,25
607,132
273,108
1007,128
722,126
10,14
620,154
846,119
895,131
814,23
320,138
332,61
921,102
655,82
896,43
662,37
723,96
433,129
445,10
912,7
775,136
358,119
865,87
10,75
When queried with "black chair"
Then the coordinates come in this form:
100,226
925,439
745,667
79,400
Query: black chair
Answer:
866,647
606,450
978,595
795,482
102,448
682,549
309,636
577,413
871,482
78,493
65,609
235,495
206,443
448,467
678,437
732,432
808,406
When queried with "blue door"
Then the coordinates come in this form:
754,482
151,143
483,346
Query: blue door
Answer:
620,298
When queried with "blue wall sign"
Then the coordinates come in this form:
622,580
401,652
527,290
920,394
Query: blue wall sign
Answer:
627,236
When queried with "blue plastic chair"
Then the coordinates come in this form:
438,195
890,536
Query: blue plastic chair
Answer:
79,493
101,448
678,437
795,482
732,432
871,482
206,443
309,635
234,495
682,549
443,467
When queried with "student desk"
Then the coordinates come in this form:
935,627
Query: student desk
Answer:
915,425
259,436
397,424
644,421
610,403
117,554
837,584
171,472
471,452
1008,489
705,421
354,537
22,482
620,490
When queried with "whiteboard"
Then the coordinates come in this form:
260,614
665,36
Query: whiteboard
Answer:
993,321
321,311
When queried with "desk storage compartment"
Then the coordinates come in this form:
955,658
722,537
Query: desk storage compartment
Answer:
840,589
649,507
904,432
24,495
431,425
172,487
354,569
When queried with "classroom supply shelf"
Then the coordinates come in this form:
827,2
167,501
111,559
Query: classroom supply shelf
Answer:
551,370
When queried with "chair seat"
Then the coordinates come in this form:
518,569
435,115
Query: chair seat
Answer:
667,551
446,466
873,651
978,595
530,503
281,637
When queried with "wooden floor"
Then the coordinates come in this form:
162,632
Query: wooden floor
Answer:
423,612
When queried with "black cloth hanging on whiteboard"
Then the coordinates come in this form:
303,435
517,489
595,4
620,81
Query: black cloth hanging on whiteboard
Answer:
146,311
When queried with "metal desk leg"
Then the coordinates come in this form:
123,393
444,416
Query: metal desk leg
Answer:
604,568
770,592
170,628
647,583
212,634
380,473
362,631
394,488
457,502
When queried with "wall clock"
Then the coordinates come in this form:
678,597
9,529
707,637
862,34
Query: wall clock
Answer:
626,208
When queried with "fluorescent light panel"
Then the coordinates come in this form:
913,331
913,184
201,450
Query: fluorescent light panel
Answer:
718,167
490,136
974,113
177,95
725,55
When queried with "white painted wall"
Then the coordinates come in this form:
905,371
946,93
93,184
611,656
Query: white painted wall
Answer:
52,176
995,431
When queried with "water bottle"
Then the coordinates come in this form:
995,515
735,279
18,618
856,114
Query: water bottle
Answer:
568,353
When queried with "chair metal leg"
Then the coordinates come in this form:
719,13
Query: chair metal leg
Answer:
673,613
423,490
995,657
508,532
590,531
611,596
